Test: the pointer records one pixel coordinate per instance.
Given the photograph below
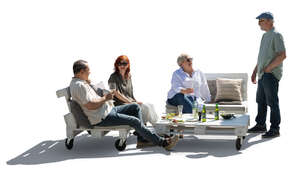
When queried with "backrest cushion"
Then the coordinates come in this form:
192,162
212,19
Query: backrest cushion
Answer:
212,89
228,89
80,117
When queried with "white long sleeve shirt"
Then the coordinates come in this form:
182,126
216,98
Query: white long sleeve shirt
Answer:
182,80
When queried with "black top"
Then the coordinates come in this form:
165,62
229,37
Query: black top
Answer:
123,86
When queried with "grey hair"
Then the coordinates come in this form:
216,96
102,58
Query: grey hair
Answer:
181,59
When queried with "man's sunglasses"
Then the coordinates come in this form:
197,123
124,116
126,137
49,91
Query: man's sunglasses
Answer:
262,20
122,64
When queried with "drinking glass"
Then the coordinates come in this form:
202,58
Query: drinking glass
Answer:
180,108
112,86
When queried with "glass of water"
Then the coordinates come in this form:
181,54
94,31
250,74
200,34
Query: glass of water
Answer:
112,86
180,108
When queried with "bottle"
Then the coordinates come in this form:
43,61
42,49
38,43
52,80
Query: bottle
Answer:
195,109
217,112
203,114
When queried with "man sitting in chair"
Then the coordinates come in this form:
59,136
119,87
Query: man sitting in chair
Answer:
101,112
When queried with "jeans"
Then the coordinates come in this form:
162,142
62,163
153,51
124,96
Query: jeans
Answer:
130,115
181,99
267,95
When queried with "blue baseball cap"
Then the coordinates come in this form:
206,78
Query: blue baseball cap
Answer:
266,15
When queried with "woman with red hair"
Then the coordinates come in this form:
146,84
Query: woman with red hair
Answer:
122,78
124,93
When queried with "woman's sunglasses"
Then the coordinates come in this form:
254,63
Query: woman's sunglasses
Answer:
189,59
122,64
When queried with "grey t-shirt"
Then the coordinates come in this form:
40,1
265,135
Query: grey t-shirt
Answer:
271,44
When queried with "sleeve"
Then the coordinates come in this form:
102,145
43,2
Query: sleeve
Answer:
176,83
279,43
81,94
204,90
112,79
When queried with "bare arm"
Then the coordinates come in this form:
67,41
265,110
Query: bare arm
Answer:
253,77
277,61
122,97
99,102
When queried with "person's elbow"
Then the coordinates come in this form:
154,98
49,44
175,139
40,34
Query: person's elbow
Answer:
283,55
90,106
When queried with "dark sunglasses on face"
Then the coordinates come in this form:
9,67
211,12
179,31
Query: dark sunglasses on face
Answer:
260,21
122,64
189,59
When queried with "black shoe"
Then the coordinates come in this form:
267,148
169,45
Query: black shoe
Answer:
258,129
271,134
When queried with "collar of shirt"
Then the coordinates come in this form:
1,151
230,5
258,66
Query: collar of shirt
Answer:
77,79
185,73
270,31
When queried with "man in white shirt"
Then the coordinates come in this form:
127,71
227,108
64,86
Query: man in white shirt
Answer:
188,85
100,112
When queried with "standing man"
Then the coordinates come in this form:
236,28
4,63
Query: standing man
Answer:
269,72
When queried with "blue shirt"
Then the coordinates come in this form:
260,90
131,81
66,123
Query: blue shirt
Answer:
182,80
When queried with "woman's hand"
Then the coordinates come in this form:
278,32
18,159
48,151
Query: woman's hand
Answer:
138,102
187,90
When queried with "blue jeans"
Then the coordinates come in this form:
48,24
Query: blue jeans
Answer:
267,95
181,99
130,115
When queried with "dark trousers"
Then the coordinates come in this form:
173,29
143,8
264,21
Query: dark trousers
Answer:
267,95
131,115
181,99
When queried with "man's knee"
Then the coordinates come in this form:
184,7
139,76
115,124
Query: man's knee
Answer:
134,108
134,122
273,104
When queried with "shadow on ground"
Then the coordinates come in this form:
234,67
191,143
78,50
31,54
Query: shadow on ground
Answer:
87,147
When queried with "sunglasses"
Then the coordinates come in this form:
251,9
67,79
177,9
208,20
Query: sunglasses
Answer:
262,20
122,64
189,59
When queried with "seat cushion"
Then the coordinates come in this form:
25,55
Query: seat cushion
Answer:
229,108
228,90
230,102
210,107
171,108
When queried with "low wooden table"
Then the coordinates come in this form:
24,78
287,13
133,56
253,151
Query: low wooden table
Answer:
237,126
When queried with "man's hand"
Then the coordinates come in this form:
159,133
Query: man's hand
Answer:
109,96
267,69
253,78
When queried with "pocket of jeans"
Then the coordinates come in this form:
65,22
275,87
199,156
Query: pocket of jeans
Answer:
271,76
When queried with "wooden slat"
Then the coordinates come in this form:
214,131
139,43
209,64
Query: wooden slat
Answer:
62,93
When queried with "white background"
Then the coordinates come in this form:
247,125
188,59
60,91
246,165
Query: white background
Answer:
40,40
